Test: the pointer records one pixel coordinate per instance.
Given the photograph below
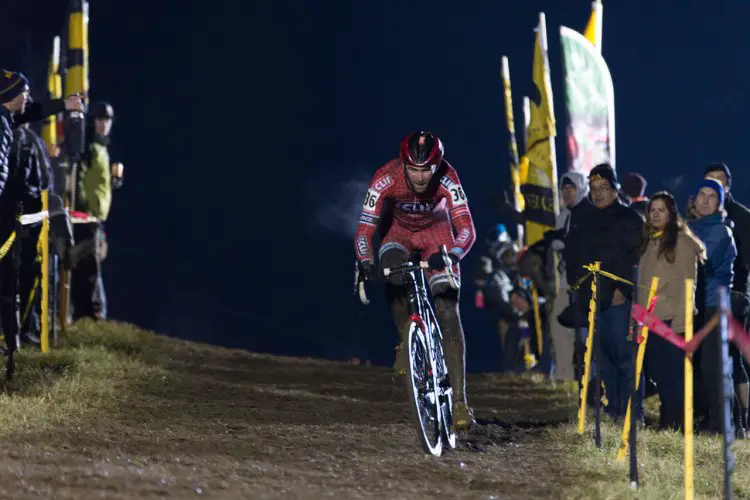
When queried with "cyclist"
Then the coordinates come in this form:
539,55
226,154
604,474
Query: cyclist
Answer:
417,200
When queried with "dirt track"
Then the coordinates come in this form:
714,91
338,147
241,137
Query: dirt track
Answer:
225,424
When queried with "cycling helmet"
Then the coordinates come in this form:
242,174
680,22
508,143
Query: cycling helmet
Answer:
421,149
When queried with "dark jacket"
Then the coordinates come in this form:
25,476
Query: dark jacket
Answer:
740,217
33,167
572,256
721,252
613,237
6,142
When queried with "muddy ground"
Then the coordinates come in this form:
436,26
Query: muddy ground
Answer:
228,424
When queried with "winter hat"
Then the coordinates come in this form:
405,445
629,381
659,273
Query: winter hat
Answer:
604,171
577,180
719,167
716,186
634,185
101,110
11,84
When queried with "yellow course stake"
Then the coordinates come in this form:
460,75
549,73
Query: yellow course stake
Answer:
589,350
45,272
689,303
537,319
623,450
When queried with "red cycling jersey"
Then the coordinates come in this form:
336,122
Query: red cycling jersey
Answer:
415,221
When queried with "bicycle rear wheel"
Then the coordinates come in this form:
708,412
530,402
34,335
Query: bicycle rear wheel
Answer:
421,384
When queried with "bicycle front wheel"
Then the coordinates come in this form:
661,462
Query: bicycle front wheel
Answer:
422,387
444,387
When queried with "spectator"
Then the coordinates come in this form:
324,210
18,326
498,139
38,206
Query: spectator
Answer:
31,162
94,196
740,217
670,252
716,272
573,191
495,276
634,187
612,235
520,330
14,94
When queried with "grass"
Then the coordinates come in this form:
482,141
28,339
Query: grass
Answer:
593,473
86,378
125,412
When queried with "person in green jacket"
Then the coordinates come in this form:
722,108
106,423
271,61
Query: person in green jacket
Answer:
93,196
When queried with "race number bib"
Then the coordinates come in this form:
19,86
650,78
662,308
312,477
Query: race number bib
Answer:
371,201
456,192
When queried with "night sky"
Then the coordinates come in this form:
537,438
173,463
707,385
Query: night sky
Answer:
248,131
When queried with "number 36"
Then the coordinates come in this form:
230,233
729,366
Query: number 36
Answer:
458,194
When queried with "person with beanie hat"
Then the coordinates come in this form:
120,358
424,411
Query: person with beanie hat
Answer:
739,215
715,233
13,85
14,93
574,192
611,235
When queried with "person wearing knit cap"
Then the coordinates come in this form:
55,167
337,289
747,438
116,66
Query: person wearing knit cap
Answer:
739,214
14,93
14,90
574,192
716,235
612,235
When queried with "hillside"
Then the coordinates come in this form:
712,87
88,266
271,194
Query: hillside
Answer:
122,413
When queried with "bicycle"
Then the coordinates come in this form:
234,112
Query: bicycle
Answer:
427,381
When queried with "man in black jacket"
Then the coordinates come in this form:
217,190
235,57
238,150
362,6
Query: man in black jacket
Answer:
14,93
612,235
30,152
740,217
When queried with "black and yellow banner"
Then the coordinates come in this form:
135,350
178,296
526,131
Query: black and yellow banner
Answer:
540,188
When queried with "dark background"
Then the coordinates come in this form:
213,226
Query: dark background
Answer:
250,129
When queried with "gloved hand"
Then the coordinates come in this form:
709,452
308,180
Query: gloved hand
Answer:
436,261
367,269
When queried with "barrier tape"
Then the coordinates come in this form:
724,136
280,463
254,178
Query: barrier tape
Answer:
30,219
25,220
581,281
657,326
77,217
591,270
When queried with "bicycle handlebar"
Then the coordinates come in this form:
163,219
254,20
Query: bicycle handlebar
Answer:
403,269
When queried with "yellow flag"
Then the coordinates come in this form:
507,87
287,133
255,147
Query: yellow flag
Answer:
540,189
593,31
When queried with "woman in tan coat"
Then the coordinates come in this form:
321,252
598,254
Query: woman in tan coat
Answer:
671,252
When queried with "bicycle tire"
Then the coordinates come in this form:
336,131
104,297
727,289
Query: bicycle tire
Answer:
420,367
445,389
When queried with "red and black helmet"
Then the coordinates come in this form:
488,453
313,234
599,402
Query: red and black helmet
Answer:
421,149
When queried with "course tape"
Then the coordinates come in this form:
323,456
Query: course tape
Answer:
737,333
